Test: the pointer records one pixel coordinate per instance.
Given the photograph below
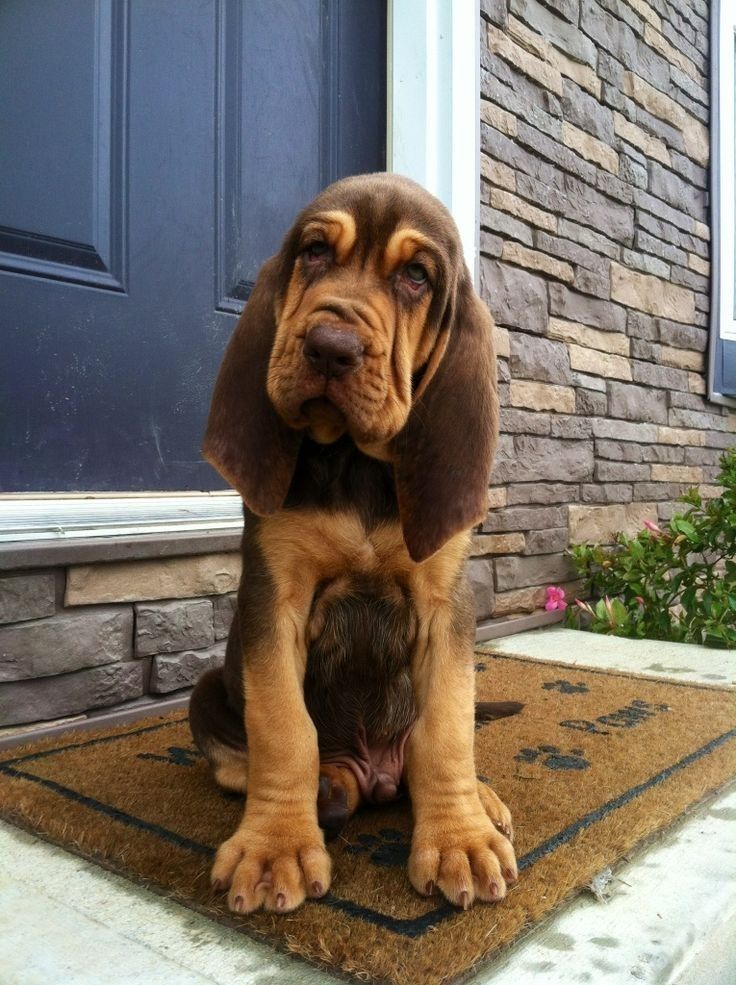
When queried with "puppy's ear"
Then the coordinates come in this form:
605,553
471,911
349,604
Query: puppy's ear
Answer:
246,440
444,453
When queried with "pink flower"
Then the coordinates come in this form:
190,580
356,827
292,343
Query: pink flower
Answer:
555,598
639,599
653,528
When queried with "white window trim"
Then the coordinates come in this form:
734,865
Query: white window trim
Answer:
723,182
433,136
434,105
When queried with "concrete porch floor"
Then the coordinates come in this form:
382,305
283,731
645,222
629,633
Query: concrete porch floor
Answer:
671,916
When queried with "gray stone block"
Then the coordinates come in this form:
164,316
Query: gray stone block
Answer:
605,493
659,376
621,472
642,328
515,297
539,359
564,34
171,672
589,238
646,263
612,186
224,610
556,152
519,572
637,403
494,11
505,224
632,172
547,541
590,403
515,421
167,627
532,458
586,112
582,308
27,596
691,279
651,492
69,694
73,639
682,336
525,518
618,451
669,454
544,492
480,575
665,184
564,426
658,247
592,208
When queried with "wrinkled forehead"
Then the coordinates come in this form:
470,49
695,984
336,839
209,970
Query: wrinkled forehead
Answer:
382,216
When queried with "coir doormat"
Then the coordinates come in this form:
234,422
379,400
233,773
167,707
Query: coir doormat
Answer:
595,763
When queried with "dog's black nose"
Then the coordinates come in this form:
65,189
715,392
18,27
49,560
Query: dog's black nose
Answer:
333,351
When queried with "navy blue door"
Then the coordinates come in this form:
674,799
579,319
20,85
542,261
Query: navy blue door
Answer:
152,154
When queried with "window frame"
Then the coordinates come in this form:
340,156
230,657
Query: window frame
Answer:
723,195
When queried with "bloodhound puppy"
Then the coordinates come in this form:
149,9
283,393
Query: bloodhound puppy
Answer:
356,413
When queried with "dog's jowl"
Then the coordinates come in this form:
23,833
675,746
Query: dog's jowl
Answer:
356,413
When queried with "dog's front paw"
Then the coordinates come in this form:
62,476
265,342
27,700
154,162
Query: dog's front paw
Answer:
461,853
272,863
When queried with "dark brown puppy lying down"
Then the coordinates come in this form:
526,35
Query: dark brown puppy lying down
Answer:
356,413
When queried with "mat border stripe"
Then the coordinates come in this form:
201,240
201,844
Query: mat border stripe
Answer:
411,927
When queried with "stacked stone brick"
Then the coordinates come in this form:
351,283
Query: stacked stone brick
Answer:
595,264
94,636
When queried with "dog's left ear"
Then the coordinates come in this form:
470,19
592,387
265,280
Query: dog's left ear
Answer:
444,453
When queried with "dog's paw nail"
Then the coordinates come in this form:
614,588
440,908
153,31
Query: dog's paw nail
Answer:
317,889
429,888
495,893
464,899
509,875
238,904
280,901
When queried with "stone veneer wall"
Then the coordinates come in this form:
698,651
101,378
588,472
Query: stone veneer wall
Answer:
103,635
595,250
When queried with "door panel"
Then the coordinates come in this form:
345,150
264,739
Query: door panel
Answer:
159,150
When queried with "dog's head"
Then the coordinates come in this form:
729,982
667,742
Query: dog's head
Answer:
365,322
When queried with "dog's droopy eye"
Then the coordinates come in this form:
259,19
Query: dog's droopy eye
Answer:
416,273
318,250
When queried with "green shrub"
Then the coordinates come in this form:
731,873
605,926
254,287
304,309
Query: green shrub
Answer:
675,583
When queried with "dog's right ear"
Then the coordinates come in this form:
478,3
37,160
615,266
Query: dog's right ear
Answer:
246,440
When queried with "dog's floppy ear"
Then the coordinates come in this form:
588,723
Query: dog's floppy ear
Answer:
246,440
444,453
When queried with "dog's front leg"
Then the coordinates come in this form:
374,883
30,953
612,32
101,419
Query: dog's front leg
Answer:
455,846
277,856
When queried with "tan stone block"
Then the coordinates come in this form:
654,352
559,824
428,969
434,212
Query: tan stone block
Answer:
520,600
591,338
497,498
535,68
710,492
582,74
680,436
170,578
497,173
696,383
523,210
731,421
634,135
600,524
644,10
697,264
503,343
527,38
499,118
682,358
677,473
497,544
599,363
673,55
652,294
694,133
590,147
701,230
533,260
542,396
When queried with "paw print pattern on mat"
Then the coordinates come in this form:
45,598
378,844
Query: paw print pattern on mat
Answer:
566,687
553,758
389,847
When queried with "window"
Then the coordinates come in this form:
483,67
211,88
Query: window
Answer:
722,375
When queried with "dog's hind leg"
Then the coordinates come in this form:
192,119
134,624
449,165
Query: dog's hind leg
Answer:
219,732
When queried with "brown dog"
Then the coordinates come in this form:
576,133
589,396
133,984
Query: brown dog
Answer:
356,413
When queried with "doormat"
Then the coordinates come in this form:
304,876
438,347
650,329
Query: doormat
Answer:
594,764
